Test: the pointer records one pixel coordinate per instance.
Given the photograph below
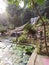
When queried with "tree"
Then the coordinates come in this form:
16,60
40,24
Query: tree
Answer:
46,10
31,3
15,15
27,15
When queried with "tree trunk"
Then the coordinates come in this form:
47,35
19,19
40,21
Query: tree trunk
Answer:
45,37
44,25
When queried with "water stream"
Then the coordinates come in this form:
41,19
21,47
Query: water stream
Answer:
11,54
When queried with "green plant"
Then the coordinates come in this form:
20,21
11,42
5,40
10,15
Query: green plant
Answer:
14,40
28,27
29,49
22,39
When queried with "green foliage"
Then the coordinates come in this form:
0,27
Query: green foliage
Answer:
29,49
28,27
47,33
22,38
14,40
9,1
29,2
24,32
16,2
31,29
40,2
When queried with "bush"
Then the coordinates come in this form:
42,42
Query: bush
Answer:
28,27
14,40
22,39
29,50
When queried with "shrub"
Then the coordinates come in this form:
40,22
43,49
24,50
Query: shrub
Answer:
29,50
14,40
28,27
22,39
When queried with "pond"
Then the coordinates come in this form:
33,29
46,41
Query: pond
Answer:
12,54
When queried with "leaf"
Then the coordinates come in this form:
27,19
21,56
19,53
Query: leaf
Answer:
16,2
9,1
40,2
